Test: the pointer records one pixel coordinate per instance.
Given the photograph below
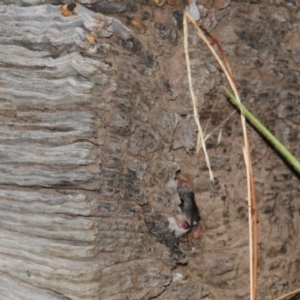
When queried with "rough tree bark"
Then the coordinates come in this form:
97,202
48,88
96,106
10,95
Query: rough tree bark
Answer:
95,122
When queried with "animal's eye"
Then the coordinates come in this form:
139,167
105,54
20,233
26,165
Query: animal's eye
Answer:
181,202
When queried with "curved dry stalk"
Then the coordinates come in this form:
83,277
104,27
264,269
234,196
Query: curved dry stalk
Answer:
250,181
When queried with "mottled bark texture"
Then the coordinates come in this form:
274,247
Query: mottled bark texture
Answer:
96,119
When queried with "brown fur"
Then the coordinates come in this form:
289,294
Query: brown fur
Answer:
185,180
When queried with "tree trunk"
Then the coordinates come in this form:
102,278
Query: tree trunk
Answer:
96,119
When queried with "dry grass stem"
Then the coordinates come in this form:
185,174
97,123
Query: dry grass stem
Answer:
288,294
250,182
216,128
246,157
220,136
200,139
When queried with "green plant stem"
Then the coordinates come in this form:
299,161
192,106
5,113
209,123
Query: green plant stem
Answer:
265,132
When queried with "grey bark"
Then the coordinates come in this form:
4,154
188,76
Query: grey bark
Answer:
70,225
92,134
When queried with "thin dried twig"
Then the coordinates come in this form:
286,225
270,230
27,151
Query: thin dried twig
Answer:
246,157
220,136
200,138
250,182
254,220
222,123
288,294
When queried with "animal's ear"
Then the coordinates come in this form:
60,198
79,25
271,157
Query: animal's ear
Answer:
185,180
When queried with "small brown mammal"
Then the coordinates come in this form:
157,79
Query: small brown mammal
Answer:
189,213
